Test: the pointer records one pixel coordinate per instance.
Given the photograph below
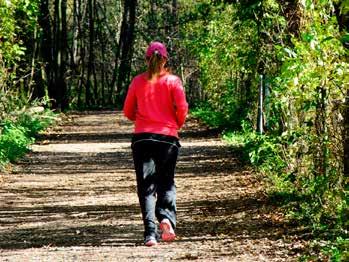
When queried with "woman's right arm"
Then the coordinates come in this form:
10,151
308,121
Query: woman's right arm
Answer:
130,105
180,102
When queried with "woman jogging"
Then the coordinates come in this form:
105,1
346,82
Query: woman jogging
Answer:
156,103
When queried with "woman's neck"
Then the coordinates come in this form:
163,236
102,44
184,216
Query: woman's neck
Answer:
157,75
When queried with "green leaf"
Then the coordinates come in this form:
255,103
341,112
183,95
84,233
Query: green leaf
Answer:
327,39
307,37
345,39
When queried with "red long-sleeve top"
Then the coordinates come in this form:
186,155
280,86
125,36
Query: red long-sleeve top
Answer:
158,106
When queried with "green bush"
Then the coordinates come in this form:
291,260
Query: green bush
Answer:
34,123
14,142
209,116
19,131
317,201
262,151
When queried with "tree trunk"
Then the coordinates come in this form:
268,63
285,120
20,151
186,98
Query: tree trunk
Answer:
64,53
45,48
81,10
126,47
173,34
58,88
321,155
106,87
101,38
342,18
94,73
91,54
346,135
343,22
123,29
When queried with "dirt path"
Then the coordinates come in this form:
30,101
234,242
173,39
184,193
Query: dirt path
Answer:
73,198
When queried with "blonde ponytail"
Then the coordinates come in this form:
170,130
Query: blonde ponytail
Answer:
155,62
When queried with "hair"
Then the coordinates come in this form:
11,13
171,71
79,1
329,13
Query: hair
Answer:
154,64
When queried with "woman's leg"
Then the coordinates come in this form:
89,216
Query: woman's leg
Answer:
166,188
146,186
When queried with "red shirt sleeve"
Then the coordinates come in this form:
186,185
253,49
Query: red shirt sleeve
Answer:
180,102
130,105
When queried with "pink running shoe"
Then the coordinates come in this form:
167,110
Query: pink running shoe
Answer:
168,233
150,241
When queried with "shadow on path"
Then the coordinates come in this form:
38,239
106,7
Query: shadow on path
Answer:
64,197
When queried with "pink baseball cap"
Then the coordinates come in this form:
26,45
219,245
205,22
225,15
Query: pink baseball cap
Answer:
156,46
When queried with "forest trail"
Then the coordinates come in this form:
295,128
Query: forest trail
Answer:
73,198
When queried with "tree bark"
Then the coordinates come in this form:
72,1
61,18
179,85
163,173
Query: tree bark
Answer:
88,95
45,48
58,88
64,48
342,18
81,10
346,136
343,23
126,47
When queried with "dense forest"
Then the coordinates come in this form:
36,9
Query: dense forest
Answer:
279,67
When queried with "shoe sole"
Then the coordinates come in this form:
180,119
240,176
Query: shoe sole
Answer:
151,243
167,235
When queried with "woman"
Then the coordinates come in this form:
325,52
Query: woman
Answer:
156,103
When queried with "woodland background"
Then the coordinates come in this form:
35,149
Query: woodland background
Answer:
81,54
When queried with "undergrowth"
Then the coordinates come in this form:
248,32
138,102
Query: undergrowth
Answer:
320,203
18,131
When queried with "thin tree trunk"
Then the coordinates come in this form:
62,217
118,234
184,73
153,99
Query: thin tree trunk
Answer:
94,62
90,56
101,37
64,47
81,14
76,11
346,136
126,47
118,50
107,93
53,88
321,131
45,48
34,56
343,22
59,88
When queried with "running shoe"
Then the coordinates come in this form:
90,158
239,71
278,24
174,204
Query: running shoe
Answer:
167,232
150,241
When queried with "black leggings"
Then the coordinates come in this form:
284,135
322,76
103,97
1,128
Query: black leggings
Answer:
155,158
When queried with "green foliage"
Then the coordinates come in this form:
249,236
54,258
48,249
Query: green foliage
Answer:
13,142
18,19
338,250
34,123
230,51
18,122
334,251
213,118
18,132
263,152
306,67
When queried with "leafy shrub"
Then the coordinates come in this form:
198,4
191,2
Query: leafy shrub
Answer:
209,116
13,142
262,151
34,122
18,132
